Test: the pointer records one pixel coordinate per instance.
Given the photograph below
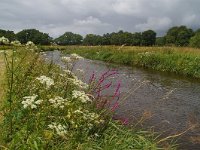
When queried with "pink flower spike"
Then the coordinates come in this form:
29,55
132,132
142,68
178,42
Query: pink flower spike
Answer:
115,106
125,121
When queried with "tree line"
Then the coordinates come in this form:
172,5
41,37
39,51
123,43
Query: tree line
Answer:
175,36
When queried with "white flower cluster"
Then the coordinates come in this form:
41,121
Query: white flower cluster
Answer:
46,80
80,95
1,51
58,102
78,83
66,59
75,57
30,44
72,57
68,72
60,129
16,43
4,40
29,101
90,117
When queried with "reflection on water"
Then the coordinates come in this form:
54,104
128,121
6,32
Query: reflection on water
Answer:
172,103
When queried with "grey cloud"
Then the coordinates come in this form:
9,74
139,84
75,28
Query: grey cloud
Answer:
94,16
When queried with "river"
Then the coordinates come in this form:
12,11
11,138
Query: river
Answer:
170,104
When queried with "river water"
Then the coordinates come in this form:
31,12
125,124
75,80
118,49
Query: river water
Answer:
170,104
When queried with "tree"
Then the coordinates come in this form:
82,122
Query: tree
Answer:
160,41
179,36
69,38
92,39
121,38
33,35
136,39
195,40
8,34
106,39
148,38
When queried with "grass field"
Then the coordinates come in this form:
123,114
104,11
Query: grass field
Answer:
178,60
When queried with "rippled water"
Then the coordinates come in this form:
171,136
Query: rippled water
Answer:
172,102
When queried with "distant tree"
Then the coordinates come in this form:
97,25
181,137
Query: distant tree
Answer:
148,38
179,36
106,39
195,40
160,41
121,38
127,38
8,34
69,38
33,35
92,39
197,31
136,39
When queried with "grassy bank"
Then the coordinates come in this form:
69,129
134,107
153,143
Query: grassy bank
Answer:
182,61
2,73
49,108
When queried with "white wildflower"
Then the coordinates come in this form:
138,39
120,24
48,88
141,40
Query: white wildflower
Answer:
29,101
46,80
1,51
60,129
58,102
30,43
80,95
75,57
16,43
80,84
4,40
68,72
66,59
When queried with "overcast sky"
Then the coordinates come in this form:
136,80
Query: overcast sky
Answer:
98,16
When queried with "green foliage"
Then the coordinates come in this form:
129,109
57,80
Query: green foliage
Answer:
69,38
92,39
33,35
148,38
162,59
160,41
136,39
195,40
179,36
8,34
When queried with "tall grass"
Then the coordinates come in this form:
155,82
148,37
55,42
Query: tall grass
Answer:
182,61
46,107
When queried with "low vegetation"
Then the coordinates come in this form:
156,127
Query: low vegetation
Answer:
46,107
182,61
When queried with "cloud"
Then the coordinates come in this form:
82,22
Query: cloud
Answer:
155,24
98,17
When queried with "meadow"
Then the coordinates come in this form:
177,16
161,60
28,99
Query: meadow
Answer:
179,60
46,107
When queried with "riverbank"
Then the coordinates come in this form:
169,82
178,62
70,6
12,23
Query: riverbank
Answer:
43,111
2,77
178,60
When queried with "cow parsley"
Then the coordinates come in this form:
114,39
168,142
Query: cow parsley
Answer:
46,80
58,102
60,129
29,101
80,95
